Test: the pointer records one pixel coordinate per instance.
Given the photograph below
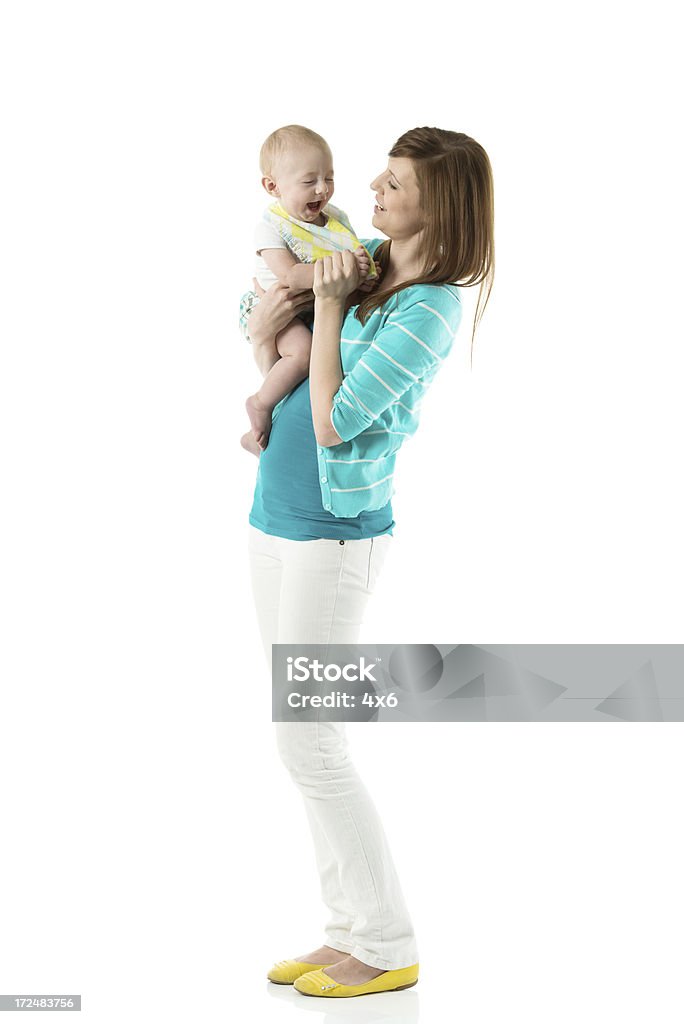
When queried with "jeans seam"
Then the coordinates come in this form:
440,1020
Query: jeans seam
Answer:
342,548
340,792
350,818
370,558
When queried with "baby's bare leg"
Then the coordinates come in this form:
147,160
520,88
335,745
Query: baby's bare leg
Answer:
265,355
294,348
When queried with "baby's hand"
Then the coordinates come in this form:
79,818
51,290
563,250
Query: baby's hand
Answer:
363,262
372,282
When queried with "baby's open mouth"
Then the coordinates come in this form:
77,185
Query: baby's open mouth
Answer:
314,207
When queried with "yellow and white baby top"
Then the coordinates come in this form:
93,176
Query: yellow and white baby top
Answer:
308,242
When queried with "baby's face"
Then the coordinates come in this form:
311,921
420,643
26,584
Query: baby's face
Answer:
304,180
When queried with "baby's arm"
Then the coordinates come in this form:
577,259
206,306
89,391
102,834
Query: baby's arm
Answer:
287,268
299,277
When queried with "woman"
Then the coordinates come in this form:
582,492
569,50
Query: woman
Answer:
321,520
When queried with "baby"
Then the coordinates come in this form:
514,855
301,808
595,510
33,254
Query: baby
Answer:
298,228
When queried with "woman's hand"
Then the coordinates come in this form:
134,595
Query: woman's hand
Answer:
277,306
336,276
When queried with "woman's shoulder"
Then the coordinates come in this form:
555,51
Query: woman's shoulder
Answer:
432,310
442,294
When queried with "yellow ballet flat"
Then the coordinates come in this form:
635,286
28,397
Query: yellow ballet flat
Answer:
285,972
318,983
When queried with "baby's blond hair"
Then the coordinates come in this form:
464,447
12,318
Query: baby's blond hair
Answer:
281,140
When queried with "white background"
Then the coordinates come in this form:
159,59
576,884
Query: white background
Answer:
154,856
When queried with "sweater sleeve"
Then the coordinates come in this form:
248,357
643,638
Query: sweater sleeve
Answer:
410,346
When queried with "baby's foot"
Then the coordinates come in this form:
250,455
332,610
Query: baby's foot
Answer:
247,441
260,418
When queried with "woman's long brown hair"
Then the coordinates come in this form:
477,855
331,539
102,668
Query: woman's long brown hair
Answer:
456,186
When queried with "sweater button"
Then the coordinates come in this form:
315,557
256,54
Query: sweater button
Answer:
327,506
320,451
341,542
324,479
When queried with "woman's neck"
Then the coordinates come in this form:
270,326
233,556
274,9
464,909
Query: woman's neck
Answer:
404,263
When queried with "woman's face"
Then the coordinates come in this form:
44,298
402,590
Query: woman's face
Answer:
398,214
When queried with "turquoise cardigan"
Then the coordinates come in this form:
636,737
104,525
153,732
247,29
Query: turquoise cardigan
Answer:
387,367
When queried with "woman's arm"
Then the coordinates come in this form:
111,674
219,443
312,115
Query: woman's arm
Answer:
276,308
325,367
408,350
336,277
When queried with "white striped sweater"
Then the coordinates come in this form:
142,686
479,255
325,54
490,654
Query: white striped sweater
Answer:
387,366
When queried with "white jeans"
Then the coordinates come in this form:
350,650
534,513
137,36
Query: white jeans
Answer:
316,591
